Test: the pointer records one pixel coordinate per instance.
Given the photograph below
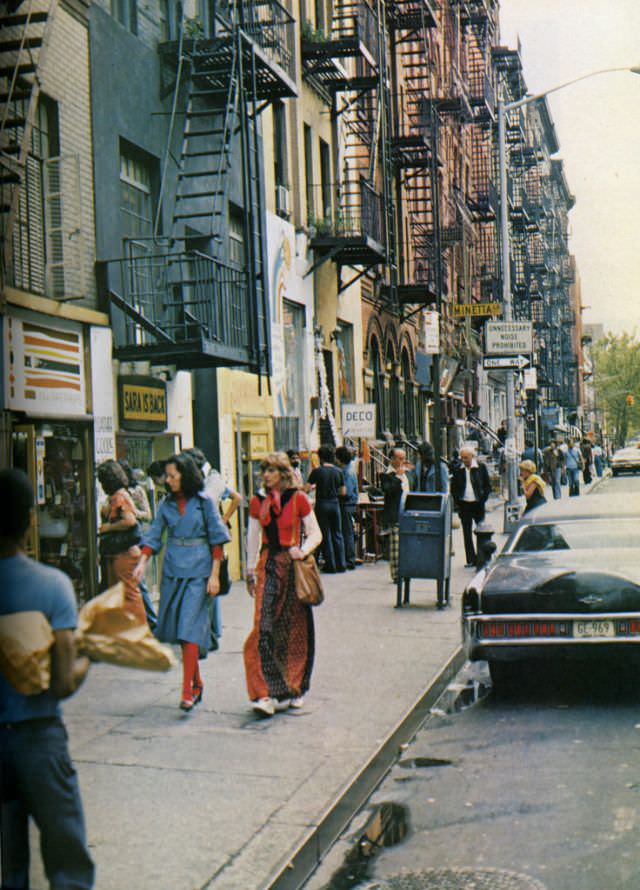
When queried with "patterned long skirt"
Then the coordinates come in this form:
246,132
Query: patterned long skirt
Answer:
278,653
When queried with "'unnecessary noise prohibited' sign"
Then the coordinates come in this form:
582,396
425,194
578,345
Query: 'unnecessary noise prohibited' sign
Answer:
359,421
508,337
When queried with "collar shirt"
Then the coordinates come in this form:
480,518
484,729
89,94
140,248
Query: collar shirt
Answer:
469,493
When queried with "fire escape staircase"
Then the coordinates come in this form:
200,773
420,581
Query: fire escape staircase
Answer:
186,303
25,30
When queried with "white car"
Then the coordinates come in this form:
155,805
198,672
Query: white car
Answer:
626,460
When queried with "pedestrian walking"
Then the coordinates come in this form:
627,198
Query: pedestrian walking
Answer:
328,482
194,534
348,504
423,477
221,494
598,459
279,651
532,485
294,460
394,483
143,516
586,449
37,778
552,465
470,487
120,536
573,462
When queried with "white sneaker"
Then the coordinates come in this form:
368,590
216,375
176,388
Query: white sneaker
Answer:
282,705
297,702
264,706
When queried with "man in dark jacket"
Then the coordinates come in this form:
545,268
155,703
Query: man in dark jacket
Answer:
470,487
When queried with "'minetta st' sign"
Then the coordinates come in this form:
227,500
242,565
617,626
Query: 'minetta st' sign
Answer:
143,403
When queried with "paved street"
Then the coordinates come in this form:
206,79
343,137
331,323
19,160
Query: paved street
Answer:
221,799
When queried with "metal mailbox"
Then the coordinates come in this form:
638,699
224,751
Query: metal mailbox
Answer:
424,525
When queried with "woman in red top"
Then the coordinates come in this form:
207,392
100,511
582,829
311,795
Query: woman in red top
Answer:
119,535
278,653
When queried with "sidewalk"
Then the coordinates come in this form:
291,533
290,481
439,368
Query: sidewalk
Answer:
219,799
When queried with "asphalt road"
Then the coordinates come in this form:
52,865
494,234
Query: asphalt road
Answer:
540,783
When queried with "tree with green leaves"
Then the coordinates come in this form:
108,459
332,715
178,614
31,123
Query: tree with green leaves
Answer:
616,363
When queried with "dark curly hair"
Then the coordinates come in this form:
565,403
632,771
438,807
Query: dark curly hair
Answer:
192,480
111,476
16,492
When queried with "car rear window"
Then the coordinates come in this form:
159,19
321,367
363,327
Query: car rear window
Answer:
586,534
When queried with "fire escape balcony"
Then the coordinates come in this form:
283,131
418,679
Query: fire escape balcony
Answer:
568,269
408,15
267,40
354,34
350,228
454,98
184,309
521,208
475,12
483,200
482,97
411,144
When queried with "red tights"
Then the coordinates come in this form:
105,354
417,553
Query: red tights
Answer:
191,679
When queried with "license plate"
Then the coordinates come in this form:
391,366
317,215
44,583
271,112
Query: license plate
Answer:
589,629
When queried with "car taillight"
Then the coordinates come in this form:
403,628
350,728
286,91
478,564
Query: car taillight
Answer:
518,629
631,628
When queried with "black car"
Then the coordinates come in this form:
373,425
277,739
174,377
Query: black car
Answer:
566,584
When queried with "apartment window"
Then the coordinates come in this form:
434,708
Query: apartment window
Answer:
126,12
325,178
308,172
293,324
237,252
30,232
280,144
137,203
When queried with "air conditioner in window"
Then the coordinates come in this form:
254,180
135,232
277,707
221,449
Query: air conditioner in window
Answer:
283,201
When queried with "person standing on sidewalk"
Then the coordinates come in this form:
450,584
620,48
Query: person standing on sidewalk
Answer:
394,483
37,777
532,485
552,464
348,503
143,515
573,462
190,569
328,482
470,487
424,475
279,651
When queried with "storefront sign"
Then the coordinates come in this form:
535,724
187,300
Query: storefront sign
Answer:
431,332
472,310
359,421
102,396
143,403
44,368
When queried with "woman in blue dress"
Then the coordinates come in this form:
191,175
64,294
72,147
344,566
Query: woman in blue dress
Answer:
195,534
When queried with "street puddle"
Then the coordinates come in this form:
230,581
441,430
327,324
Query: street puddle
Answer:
387,826
471,686
423,762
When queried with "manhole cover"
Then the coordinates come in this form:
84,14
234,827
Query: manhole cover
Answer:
458,879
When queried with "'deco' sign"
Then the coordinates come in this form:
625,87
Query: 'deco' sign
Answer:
359,421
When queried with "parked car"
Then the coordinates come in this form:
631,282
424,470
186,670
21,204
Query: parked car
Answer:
566,585
626,460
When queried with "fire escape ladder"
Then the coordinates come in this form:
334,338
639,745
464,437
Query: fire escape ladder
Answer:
385,124
210,130
25,32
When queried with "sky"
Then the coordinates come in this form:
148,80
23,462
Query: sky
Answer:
598,127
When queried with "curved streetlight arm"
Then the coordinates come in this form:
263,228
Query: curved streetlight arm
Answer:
526,100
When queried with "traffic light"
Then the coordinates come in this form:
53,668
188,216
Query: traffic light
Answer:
630,400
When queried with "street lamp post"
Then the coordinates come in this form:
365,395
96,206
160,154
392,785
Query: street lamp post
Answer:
504,108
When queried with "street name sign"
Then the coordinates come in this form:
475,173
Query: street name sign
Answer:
466,310
508,337
505,362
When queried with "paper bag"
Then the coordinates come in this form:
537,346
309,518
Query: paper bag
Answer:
25,658
107,631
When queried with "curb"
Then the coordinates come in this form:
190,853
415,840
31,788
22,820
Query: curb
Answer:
299,866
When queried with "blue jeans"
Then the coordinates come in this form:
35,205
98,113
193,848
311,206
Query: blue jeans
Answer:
330,522
38,779
573,475
348,513
556,475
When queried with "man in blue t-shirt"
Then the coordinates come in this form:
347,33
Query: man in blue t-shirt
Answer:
348,503
37,777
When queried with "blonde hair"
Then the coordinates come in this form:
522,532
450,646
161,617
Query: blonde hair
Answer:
279,460
529,466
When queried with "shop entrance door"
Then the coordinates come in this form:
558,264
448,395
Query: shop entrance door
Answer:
57,458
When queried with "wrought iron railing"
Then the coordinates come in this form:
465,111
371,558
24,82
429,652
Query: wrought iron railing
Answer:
352,209
271,26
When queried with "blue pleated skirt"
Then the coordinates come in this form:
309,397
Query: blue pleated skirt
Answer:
183,615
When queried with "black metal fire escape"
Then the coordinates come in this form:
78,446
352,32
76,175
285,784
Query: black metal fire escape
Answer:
184,300
25,28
